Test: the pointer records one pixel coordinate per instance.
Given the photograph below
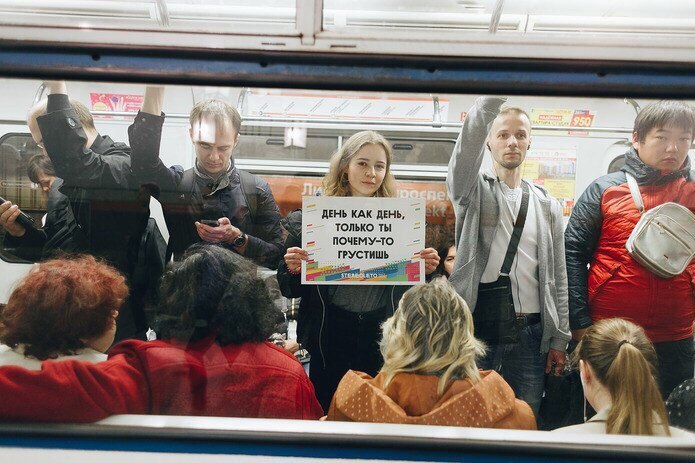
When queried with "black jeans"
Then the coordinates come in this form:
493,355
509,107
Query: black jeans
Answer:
350,341
675,363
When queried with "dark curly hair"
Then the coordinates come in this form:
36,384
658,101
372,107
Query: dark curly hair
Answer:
59,303
214,290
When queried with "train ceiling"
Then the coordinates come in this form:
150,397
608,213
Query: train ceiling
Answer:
587,29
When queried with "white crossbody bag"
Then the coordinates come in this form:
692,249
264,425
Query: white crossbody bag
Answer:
663,241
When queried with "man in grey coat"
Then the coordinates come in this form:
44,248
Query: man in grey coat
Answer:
487,205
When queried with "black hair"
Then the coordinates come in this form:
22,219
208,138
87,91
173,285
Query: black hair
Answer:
440,237
663,113
214,290
37,164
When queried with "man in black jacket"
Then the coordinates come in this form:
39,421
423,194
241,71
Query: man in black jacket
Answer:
213,201
98,183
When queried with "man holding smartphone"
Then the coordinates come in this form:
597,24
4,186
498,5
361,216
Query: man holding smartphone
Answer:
213,201
57,232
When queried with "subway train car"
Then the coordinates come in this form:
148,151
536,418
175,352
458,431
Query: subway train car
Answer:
575,140
305,76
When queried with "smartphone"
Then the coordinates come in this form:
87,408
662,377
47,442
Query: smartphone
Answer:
23,219
210,223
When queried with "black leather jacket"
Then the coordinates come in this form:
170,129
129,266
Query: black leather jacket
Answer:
97,182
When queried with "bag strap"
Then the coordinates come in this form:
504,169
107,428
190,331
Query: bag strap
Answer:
149,228
248,188
518,228
634,191
187,181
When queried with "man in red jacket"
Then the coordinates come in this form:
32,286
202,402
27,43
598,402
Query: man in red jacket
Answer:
615,285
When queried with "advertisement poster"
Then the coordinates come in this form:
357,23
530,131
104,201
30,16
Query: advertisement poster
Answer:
115,102
562,117
363,240
554,170
574,118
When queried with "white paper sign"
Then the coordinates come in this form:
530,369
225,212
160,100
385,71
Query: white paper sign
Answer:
363,240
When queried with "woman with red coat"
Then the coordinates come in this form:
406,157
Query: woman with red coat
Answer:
214,316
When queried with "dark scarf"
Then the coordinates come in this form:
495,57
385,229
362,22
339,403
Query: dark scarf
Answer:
216,183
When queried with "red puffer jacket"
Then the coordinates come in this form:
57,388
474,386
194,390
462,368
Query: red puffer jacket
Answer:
615,285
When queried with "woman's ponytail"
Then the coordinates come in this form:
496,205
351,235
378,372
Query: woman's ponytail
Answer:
636,397
624,360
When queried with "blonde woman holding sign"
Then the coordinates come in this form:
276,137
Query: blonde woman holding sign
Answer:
340,324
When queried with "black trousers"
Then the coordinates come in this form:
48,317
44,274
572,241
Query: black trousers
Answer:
350,341
675,363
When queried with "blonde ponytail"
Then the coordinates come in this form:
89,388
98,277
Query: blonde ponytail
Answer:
635,395
624,361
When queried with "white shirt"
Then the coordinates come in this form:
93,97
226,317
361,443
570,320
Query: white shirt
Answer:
524,271
15,357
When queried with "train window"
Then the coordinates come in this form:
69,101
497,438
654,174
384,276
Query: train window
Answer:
140,191
517,18
272,144
205,16
483,28
15,151
422,150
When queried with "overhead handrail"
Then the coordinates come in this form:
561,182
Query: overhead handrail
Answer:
241,101
496,16
632,103
436,114
39,94
162,12
320,120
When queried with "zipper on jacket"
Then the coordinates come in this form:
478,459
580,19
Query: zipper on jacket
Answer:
323,317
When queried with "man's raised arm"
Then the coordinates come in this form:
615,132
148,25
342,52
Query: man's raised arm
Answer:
469,151
145,136
68,136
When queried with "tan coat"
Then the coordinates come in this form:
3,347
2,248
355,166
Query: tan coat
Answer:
412,399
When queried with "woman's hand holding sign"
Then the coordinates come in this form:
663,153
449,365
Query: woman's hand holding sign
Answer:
294,257
431,258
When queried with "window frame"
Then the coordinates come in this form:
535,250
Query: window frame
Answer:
335,71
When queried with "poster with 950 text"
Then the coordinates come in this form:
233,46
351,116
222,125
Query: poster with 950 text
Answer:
354,240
